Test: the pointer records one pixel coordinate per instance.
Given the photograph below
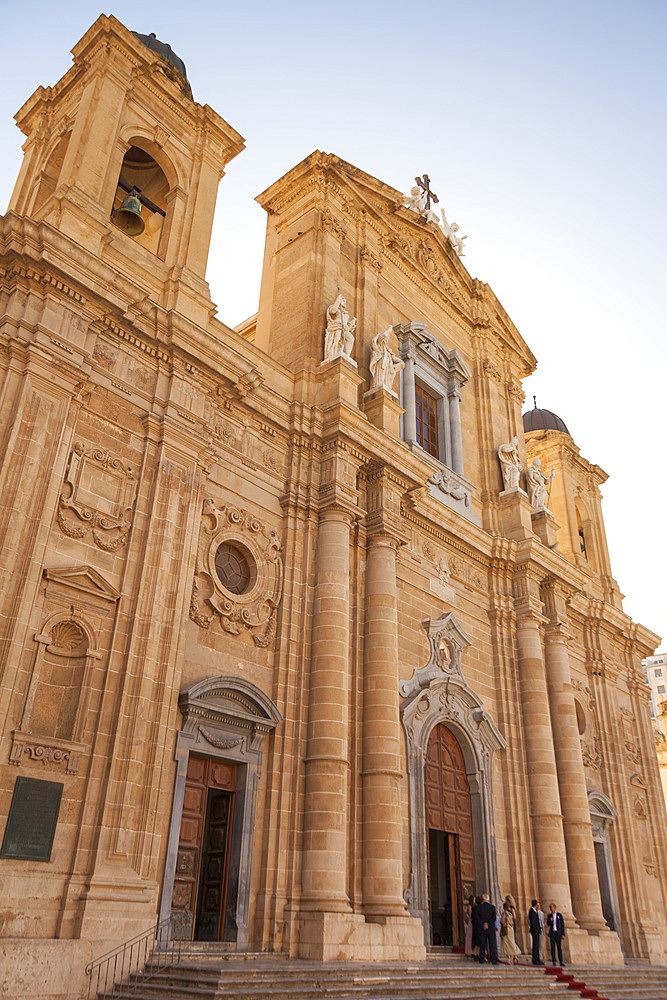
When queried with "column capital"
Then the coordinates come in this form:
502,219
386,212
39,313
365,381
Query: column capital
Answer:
555,594
338,508
557,631
383,528
528,611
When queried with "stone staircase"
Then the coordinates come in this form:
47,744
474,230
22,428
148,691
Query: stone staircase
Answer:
619,982
207,973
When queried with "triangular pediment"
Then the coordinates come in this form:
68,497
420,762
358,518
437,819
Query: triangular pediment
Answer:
394,232
83,578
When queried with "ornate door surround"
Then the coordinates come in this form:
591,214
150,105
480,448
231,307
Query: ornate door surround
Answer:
439,694
227,718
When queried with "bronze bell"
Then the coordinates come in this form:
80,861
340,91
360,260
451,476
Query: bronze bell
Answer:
128,217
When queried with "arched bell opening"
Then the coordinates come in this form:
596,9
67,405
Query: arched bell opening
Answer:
585,533
206,886
50,173
453,841
141,199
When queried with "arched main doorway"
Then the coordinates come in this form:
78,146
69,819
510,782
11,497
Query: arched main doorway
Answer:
451,862
437,698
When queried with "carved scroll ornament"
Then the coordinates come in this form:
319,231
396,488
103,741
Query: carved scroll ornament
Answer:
255,607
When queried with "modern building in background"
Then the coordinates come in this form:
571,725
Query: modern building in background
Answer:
290,660
655,671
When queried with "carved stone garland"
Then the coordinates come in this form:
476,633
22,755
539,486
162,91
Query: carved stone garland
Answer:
438,693
590,740
98,497
255,608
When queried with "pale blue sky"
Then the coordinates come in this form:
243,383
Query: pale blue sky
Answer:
542,127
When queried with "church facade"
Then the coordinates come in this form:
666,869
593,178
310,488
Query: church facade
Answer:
299,646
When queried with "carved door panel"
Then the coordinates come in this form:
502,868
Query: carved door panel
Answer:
205,776
449,825
214,866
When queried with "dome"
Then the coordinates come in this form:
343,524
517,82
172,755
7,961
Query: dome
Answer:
542,420
162,49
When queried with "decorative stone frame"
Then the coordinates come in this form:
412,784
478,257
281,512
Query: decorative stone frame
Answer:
443,374
438,693
603,814
108,517
255,609
227,718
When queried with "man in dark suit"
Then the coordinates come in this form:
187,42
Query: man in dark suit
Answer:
535,931
556,932
486,930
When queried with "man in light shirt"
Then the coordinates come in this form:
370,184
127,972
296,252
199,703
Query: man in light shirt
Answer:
540,914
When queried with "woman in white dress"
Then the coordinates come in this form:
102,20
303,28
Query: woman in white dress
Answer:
508,945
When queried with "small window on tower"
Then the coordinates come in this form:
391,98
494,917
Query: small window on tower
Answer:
582,543
140,203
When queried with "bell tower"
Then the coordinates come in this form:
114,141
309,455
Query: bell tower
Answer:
121,159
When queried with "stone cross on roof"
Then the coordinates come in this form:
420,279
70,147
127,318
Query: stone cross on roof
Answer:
425,184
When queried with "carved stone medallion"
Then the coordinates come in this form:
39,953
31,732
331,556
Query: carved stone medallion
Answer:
239,573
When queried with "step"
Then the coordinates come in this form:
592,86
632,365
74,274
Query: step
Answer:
213,973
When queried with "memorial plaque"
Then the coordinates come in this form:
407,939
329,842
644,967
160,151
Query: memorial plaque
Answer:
31,824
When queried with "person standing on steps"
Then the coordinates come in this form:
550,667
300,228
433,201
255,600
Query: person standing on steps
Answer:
540,913
486,922
475,926
508,945
535,931
556,929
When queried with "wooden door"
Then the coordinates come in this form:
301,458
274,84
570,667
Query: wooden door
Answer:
198,901
449,828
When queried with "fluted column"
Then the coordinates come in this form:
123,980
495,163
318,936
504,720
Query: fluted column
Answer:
327,767
581,863
543,788
454,397
382,882
409,402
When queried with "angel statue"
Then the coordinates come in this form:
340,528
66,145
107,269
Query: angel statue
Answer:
451,234
384,363
417,202
510,463
339,336
537,482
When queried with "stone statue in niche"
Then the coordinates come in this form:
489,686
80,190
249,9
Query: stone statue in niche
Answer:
537,484
510,463
384,364
451,233
339,336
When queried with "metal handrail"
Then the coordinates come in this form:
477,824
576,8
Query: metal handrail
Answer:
107,975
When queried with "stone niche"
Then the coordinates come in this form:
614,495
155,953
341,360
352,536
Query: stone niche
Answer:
70,645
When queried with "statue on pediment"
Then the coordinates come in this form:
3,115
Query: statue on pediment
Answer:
510,464
384,364
451,233
339,336
537,484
